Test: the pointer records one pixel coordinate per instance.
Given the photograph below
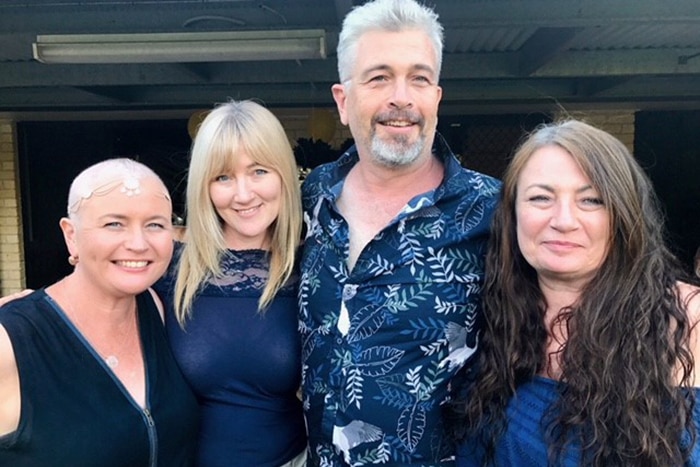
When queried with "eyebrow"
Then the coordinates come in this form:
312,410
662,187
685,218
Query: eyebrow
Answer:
550,188
124,216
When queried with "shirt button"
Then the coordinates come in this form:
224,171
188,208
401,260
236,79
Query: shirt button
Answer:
339,341
349,291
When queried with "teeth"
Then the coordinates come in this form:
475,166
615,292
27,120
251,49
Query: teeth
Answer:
246,211
398,123
133,264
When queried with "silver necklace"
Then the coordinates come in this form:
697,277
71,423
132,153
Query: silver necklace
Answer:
112,361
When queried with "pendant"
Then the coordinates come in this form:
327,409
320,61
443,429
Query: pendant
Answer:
112,361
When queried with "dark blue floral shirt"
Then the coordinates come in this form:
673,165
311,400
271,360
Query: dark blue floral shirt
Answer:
374,379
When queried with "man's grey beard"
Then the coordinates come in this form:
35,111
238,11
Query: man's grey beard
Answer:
398,152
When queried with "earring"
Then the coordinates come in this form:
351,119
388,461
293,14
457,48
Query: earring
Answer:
73,260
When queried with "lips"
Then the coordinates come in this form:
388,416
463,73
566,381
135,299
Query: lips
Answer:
247,211
398,119
399,124
561,246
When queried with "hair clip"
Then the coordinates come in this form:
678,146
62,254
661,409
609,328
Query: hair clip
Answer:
131,186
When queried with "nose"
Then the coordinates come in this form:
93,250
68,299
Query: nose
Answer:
136,240
243,192
564,216
401,97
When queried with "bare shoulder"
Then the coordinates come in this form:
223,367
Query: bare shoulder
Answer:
9,386
8,366
6,351
690,296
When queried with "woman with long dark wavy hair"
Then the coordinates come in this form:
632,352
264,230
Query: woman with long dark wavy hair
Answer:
589,337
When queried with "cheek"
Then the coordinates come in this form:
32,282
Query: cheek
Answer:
271,191
218,197
603,236
527,228
523,241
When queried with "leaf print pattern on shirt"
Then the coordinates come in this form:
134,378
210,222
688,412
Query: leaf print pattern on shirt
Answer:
409,308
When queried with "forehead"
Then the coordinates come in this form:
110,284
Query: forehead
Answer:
148,199
402,48
552,163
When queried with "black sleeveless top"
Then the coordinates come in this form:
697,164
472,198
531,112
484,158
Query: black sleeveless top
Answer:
75,412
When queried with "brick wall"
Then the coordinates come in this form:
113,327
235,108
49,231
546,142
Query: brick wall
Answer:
619,123
11,245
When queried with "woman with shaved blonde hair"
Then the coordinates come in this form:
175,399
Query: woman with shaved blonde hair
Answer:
86,374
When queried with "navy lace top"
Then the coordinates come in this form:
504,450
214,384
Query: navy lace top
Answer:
244,366
523,443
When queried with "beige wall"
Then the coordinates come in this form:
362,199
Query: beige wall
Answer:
616,122
11,245
298,123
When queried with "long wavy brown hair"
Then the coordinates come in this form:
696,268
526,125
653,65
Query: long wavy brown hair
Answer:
627,357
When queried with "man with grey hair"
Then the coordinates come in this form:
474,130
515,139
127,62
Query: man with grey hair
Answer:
393,260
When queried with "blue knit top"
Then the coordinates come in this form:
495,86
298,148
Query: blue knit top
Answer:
523,443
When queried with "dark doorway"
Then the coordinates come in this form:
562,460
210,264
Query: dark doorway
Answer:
485,143
667,144
53,153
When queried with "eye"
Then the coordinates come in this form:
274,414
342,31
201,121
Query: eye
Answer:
540,198
378,80
113,224
222,178
155,226
592,202
261,171
422,80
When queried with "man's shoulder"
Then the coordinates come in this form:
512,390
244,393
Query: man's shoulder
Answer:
469,183
324,176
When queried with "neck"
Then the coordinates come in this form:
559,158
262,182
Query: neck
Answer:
559,294
81,298
424,175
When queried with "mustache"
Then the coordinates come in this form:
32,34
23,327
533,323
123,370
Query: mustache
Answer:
403,115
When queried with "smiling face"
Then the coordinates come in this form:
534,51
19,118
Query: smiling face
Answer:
391,100
563,228
247,198
123,238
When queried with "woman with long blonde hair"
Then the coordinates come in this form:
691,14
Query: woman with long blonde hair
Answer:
231,292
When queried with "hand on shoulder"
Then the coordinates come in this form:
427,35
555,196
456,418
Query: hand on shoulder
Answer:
15,296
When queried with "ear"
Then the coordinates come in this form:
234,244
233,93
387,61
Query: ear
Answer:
340,98
68,229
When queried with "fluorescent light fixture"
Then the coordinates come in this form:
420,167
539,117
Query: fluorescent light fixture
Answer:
186,47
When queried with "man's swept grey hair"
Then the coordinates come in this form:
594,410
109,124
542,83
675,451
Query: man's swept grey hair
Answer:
103,177
390,16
